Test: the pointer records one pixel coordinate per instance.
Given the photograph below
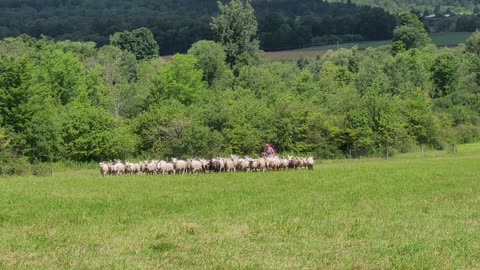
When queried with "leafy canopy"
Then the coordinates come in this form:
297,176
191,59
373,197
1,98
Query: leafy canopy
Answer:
235,27
140,42
410,32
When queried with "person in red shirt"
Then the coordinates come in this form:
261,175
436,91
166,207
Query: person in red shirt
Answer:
269,151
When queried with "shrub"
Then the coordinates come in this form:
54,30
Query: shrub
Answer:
15,166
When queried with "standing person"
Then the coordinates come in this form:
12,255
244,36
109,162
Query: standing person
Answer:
269,151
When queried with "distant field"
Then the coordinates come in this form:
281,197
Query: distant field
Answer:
440,39
449,38
403,213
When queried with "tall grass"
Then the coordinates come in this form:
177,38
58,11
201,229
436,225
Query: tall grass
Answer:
399,213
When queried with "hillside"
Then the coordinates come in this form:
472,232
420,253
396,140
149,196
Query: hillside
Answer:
178,24
283,25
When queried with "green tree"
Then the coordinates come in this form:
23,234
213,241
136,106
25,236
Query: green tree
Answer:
371,75
445,75
406,71
389,123
420,122
119,67
159,125
247,124
210,58
179,79
90,133
359,138
83,49
140,42
119,73
171,129
15,95
264,80
147,74
304,82
43,135
333,77
410,32
472,47
64,75
235,27
296,122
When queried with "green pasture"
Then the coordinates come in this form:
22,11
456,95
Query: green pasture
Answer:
403,213
443,39
449,39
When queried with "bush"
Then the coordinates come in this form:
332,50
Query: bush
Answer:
468,133
15,166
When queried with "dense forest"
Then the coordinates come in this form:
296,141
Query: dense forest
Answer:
176,25
73,101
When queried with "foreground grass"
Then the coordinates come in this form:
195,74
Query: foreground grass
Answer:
399,213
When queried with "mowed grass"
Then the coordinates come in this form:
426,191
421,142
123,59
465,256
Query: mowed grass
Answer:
443,39
399,213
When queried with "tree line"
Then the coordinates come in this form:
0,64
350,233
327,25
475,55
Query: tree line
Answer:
65,100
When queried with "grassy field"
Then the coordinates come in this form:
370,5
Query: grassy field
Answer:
443,39
449,38
404,213
440,39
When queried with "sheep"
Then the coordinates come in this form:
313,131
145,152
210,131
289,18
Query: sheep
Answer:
244,164
129,168
137,168
222,164
215,165
235,160
104,169
293,162
268,163
310,163
151,167
179,165
284,163
253,164
112,170
143,166
119,167
166,167
195,166
205,165
301,162
229,165
262,164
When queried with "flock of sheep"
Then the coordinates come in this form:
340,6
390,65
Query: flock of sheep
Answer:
231,164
